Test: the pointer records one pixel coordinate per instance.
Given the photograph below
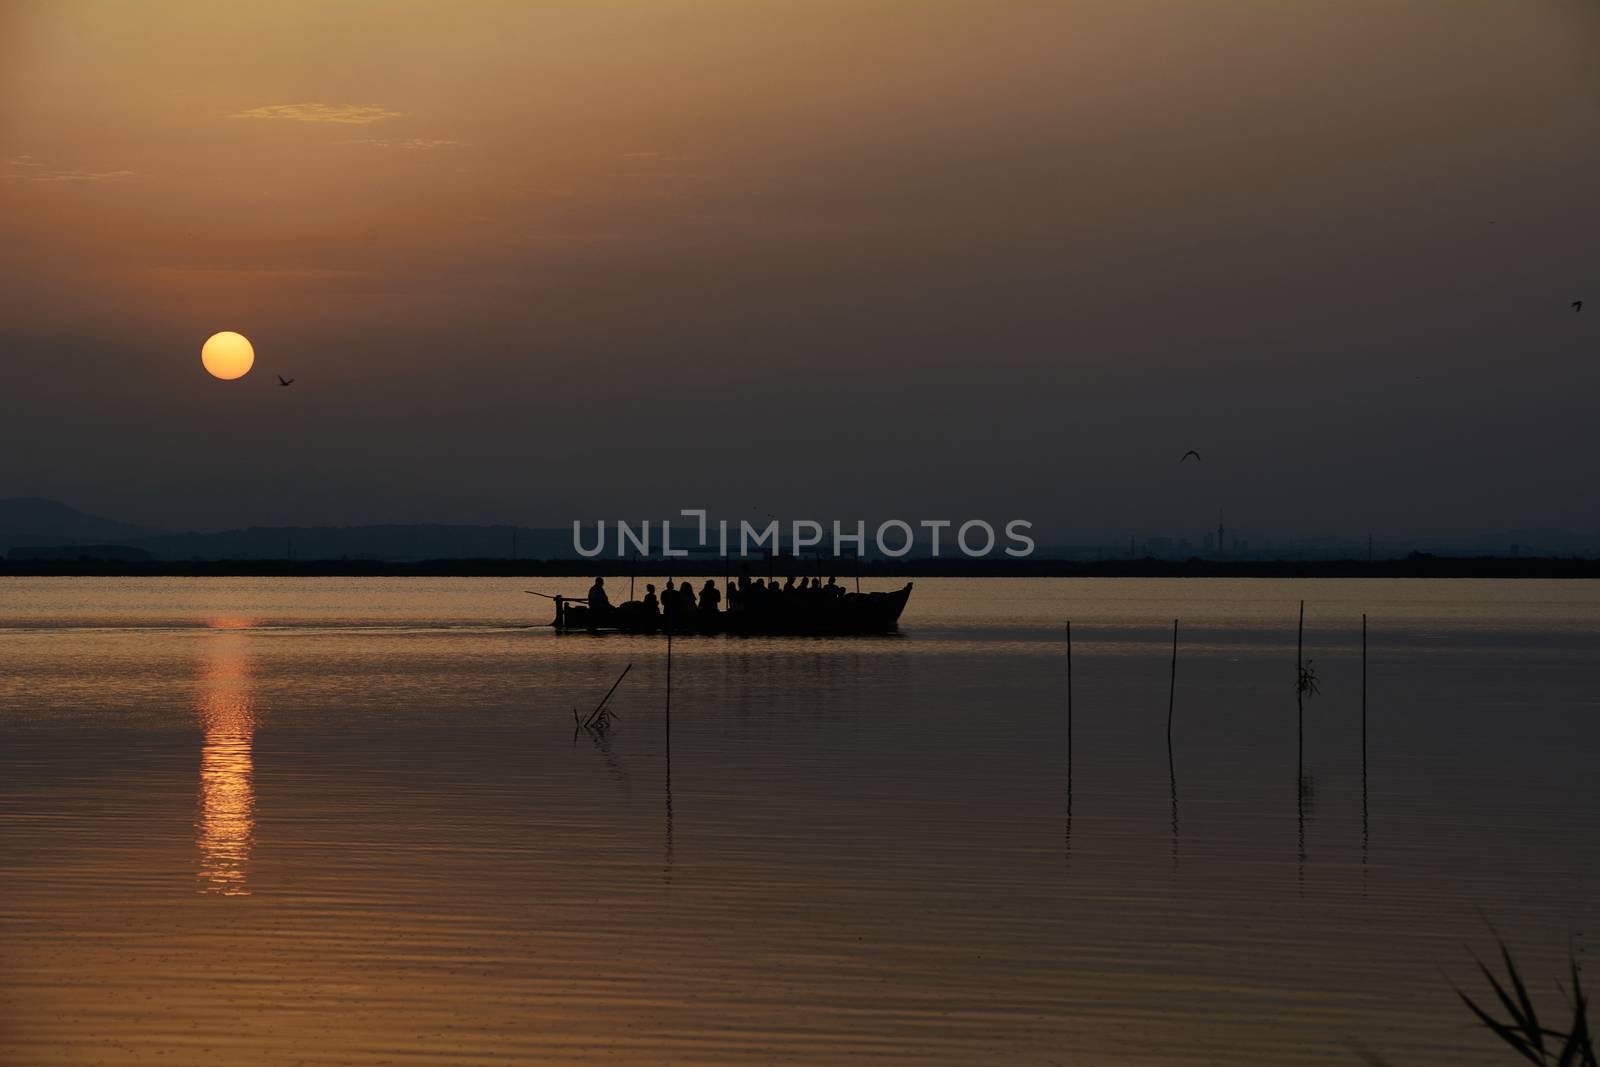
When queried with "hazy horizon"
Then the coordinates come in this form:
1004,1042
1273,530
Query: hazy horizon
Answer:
533,264
25,516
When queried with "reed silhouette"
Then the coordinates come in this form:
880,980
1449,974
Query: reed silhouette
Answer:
1513,1018
1521,1028
599,720
1308,685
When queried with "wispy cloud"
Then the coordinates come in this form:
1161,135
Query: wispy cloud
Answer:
415,144
339,114
28,168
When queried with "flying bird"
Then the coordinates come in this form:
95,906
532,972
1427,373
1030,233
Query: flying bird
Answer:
1189,453
285,381
1577,305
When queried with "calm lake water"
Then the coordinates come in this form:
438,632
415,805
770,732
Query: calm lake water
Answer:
267,821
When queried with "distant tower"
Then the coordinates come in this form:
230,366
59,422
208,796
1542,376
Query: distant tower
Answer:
1222,549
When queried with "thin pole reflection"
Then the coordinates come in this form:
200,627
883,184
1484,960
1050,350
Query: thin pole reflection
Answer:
1305,808
225,815
1300,832
667,858
1172,781
1364,831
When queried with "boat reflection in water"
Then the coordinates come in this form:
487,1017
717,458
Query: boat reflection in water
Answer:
225,820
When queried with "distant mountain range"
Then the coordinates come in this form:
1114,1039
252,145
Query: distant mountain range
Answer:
39,524
1542,542
30,520
33,523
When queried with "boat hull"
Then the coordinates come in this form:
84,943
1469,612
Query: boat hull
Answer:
851,614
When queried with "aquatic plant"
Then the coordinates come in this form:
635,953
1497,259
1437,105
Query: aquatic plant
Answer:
1521,1029
1306,685
599,720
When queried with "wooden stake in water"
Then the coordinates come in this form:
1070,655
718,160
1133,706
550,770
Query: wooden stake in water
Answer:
1299,691
1069,741
1363,749
1172,687
668,855
1300,640
1363,696
1172,769
668,622
1069,712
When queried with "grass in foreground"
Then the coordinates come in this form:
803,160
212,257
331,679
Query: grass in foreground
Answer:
1513,1019
1519,1026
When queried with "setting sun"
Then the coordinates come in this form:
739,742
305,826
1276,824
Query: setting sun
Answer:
228,355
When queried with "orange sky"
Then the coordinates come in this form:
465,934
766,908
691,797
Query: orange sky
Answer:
985,224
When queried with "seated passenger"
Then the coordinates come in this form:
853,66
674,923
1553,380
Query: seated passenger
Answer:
651,605
709,597
686,596
598,601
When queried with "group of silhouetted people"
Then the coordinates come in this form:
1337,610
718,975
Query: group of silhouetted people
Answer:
682,599
762,595
745,595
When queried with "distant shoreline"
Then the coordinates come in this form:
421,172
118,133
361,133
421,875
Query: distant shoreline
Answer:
1415,566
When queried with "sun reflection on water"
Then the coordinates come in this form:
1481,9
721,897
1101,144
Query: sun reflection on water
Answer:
225,821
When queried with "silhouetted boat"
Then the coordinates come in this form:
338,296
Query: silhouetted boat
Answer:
852,613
